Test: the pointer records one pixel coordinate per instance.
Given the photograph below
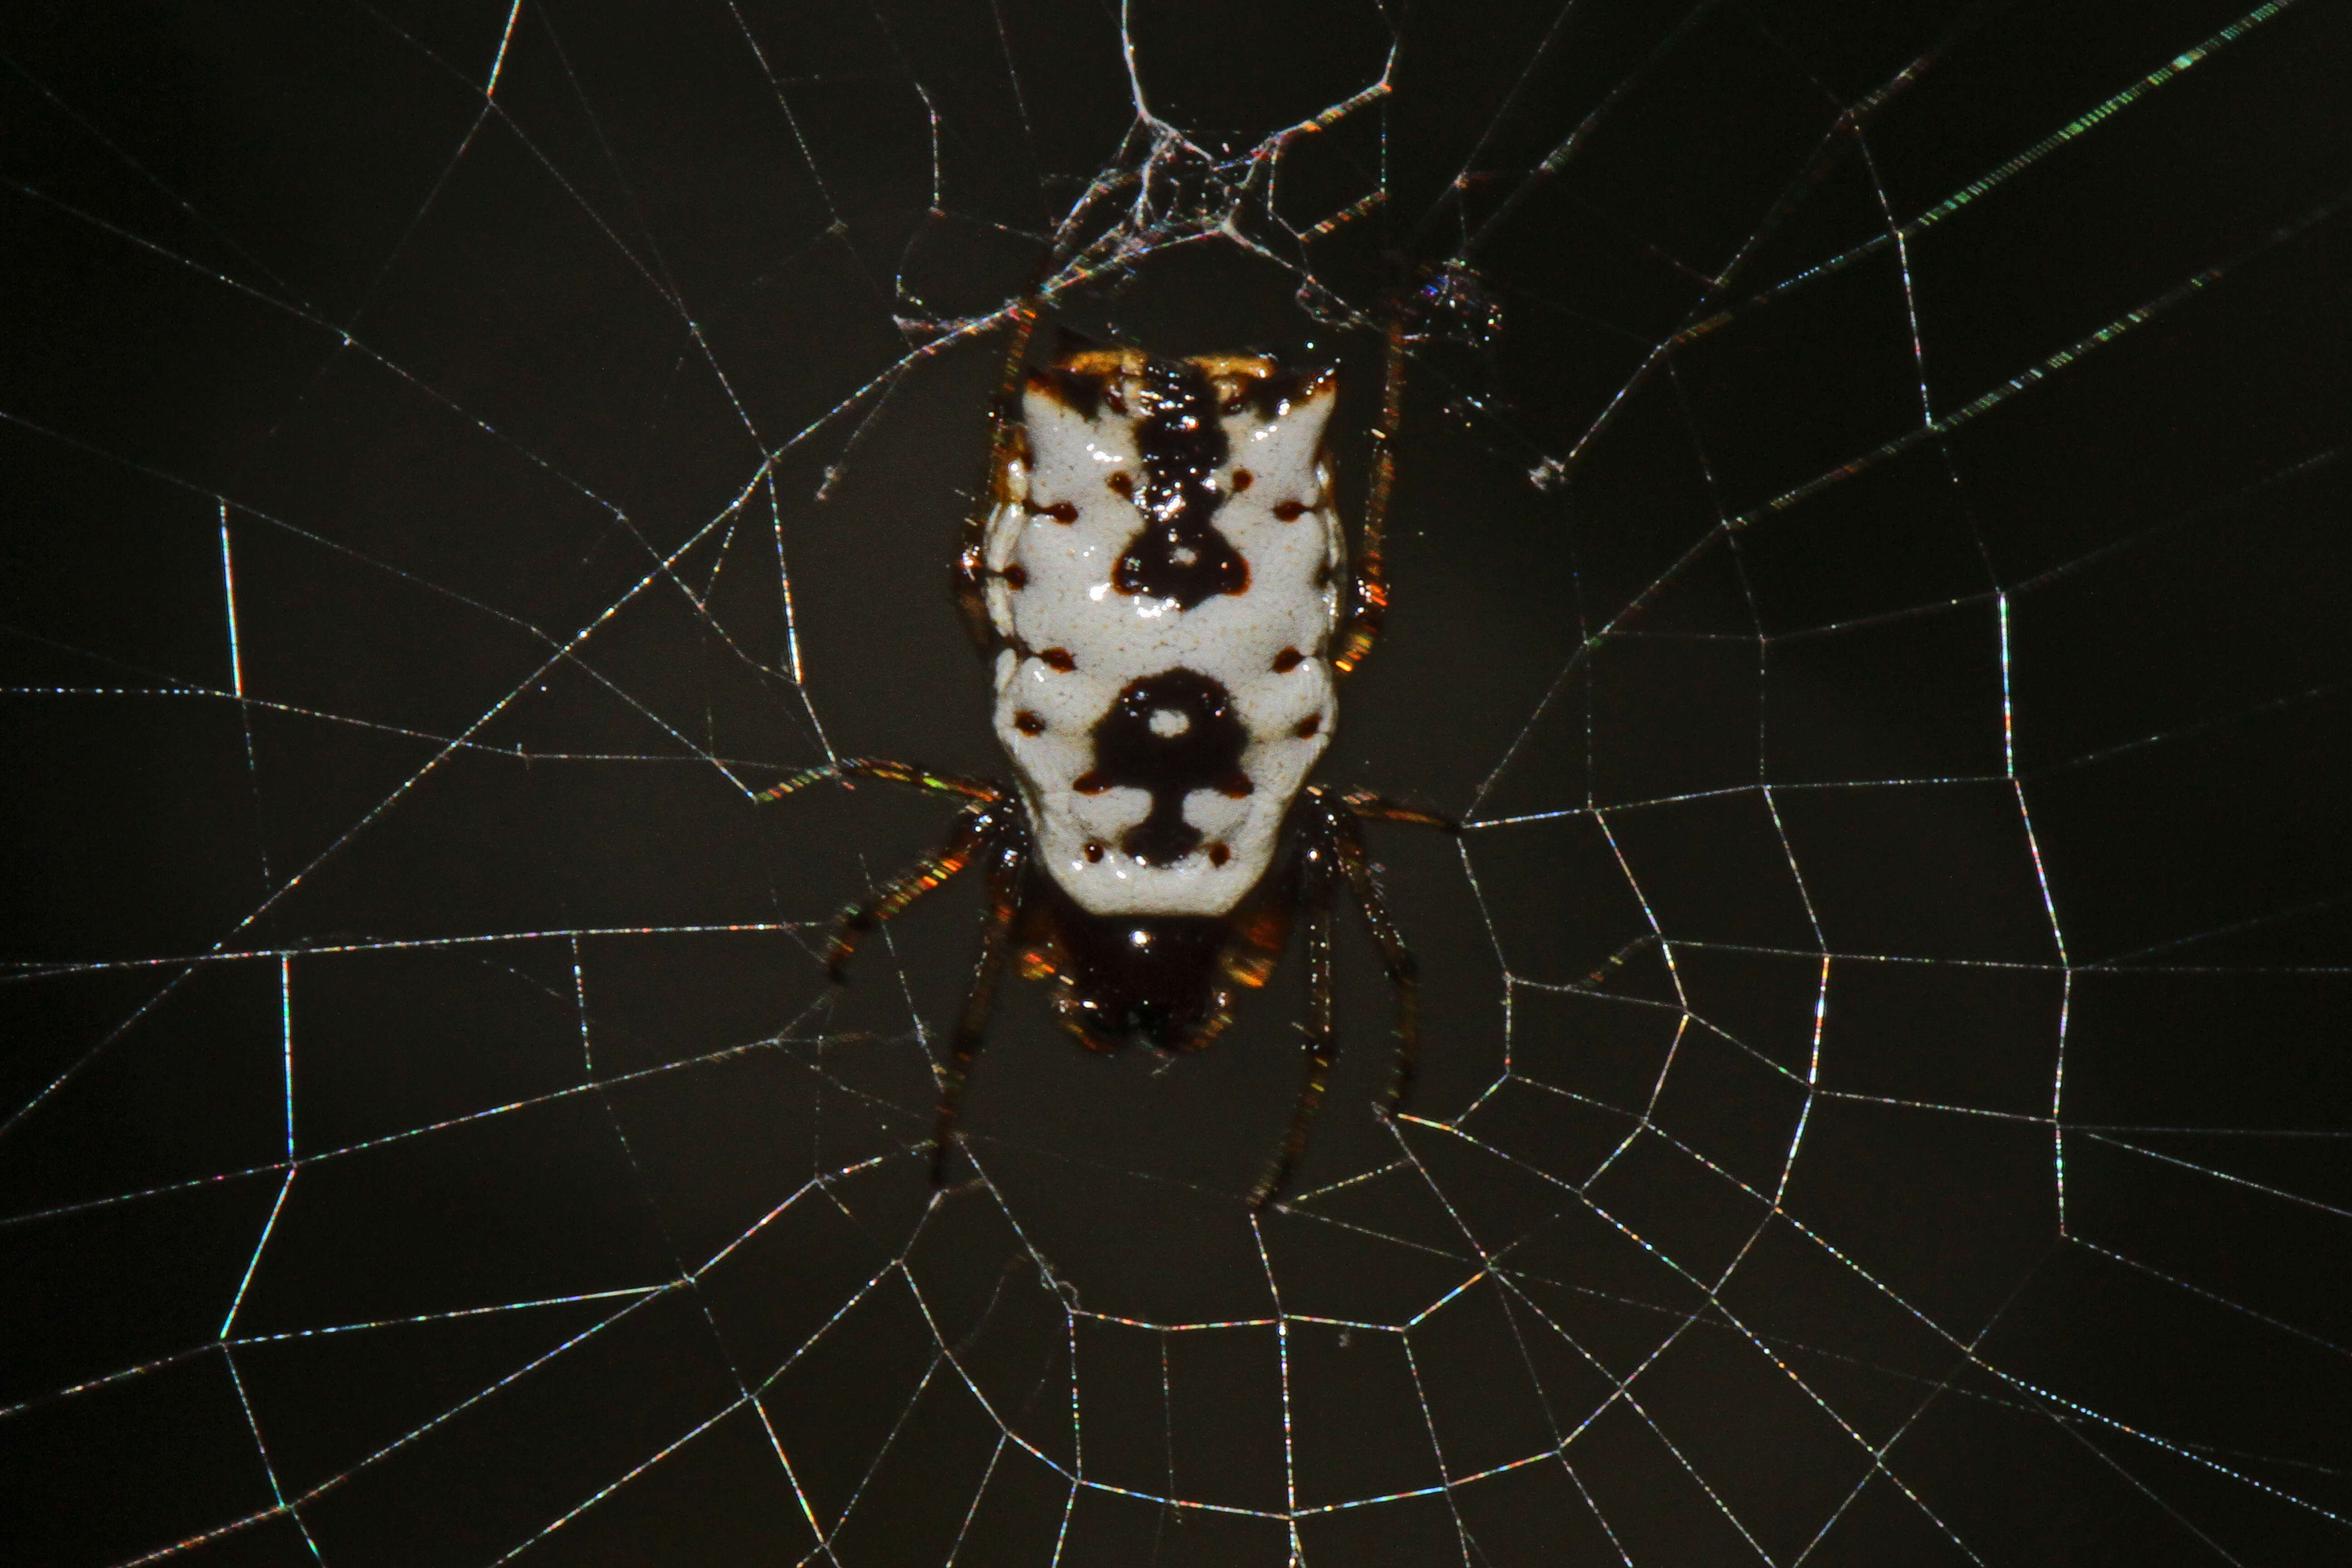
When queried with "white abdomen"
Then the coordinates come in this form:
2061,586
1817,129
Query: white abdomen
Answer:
1164,568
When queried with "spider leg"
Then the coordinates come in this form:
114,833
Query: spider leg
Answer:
844,768
971,1024
970,574
1362,627
981,829
1396,959
1378,808
1315,870
970,836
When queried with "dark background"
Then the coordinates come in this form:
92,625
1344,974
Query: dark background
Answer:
428,1134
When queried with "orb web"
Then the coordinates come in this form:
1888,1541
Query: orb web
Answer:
1867,566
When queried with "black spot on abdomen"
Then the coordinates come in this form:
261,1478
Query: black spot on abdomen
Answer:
1201,749
1079,391
1180,553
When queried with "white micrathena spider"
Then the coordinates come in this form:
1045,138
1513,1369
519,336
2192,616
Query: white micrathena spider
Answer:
1158,572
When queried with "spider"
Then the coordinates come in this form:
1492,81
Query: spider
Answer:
1156,569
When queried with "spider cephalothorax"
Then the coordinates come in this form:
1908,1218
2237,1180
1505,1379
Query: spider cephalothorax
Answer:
1162,580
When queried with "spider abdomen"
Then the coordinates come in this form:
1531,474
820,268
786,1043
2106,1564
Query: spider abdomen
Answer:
1164,570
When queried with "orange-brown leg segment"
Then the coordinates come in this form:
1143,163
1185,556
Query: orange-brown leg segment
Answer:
989,830
1403,973
1362,627
970,837
1396,959
970,574
847,770
1332,848
1316,875
1007,860
1363,803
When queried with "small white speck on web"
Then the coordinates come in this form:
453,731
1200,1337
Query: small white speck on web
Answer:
1167,722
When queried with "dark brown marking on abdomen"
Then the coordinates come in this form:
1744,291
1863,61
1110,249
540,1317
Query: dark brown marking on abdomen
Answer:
1206,754
1179,552
1079,391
